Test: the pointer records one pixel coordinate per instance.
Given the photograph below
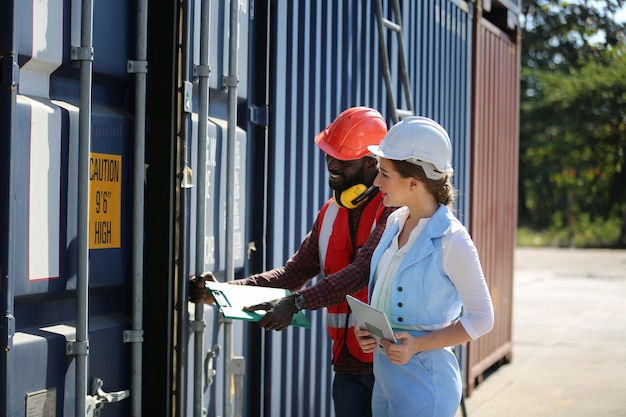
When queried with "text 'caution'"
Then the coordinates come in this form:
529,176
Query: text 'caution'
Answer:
105,200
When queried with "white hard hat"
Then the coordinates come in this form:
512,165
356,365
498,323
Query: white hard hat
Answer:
421,141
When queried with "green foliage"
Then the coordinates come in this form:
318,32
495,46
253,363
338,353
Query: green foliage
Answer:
585,233
573,127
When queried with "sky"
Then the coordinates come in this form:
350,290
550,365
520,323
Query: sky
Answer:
621,15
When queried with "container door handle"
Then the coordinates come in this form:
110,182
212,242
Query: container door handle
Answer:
99,398
209,368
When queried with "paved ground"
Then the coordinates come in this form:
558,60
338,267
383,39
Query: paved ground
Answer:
569,339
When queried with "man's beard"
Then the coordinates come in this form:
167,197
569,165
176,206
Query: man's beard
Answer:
346,183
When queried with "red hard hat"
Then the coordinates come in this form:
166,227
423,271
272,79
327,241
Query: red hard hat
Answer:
349,135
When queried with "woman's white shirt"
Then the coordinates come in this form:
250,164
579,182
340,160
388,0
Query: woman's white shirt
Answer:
460,262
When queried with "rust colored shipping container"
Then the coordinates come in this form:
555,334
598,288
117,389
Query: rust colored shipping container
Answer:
494,173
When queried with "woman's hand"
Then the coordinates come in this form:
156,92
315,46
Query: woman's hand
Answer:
366,342
401,352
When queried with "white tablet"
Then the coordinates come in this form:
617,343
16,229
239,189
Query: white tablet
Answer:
372,320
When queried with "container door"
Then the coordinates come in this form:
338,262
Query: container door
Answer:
321,58
40,205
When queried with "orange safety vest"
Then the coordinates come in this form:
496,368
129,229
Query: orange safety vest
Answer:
336,252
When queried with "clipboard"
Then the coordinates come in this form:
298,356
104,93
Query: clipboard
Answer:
231,299
372,320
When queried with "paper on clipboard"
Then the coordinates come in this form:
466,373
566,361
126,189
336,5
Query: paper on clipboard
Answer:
372,320
231,299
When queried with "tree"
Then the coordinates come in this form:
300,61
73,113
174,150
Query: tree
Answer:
573,117
564,34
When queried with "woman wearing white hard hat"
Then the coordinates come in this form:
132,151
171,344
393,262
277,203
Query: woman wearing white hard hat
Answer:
425,275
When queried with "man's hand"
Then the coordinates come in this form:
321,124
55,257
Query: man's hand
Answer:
279,314
197,291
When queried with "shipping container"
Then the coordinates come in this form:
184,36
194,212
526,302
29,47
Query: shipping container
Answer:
144,142
495,154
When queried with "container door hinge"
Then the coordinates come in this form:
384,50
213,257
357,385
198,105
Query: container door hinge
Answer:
187,96
99,398
186,178
260,115
9,70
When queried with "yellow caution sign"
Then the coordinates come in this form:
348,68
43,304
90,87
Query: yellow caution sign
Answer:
105,200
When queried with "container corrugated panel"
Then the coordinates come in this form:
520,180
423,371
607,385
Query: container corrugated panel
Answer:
495,153
320,51
438,49
325,57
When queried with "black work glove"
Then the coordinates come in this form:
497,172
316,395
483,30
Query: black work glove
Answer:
279,314
197,291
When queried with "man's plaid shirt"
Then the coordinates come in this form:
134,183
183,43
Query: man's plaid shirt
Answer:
304,265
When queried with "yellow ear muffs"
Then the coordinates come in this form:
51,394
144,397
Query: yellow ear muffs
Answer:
354,196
